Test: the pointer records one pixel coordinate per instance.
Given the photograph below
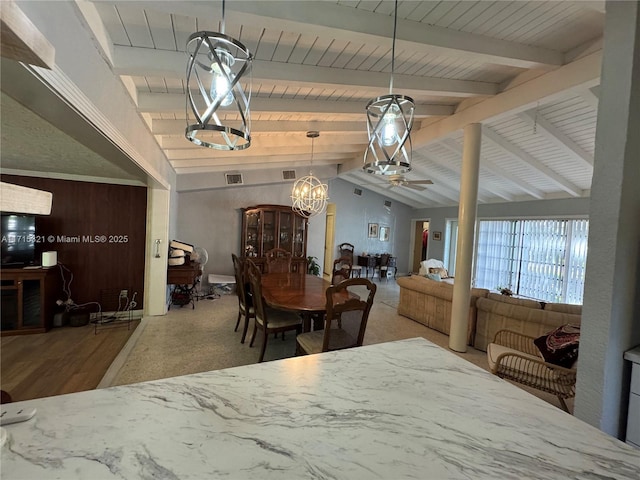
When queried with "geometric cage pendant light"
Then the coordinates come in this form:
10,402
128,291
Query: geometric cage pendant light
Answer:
309,195
218,91
389,123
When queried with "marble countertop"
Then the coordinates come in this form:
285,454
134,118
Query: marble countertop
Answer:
406,409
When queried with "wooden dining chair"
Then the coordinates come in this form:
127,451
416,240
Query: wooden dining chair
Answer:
243,291
384,265
346,250
345,321
278,261
341,270
268,320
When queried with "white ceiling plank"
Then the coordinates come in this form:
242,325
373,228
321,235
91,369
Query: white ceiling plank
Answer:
141,61
482,191
496,170
590,96
167,102
344,23
559,138
137,28
530,160
414,198
231,161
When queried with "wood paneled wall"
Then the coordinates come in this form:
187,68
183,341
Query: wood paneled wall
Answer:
98,231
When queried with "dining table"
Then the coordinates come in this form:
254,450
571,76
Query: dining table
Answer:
396,410
297,292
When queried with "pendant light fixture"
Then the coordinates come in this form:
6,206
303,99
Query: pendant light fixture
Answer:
218,91
389,123
309,194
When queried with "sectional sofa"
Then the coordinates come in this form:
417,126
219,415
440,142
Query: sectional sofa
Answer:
429,302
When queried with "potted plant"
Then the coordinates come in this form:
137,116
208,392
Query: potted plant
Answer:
313,268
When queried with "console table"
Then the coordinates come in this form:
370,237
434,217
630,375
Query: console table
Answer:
406,409
184,279
29,299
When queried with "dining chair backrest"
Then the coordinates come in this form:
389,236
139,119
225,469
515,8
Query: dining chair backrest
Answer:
341,269
239,270
255,283
278,261
348,311
346,250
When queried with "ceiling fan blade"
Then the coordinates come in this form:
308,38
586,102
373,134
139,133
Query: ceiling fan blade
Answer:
419,182
414,187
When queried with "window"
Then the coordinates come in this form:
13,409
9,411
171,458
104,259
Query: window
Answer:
541,259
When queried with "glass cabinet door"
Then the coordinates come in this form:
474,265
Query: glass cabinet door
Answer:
268,231
251,234
285,236
298,236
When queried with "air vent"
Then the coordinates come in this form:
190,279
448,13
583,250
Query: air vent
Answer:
357,191
288,174
387,203
234,178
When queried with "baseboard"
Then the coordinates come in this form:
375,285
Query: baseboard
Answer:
121,358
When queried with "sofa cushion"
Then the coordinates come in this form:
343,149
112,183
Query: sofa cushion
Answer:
524,302
564,308
494,314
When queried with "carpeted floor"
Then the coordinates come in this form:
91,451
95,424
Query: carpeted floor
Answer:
189,340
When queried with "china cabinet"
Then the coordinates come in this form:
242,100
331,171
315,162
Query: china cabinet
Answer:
274,226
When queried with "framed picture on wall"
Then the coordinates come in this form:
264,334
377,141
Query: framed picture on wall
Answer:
373,230
437,236
384,234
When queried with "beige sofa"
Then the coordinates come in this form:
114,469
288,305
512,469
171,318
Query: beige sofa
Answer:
529,317
429,302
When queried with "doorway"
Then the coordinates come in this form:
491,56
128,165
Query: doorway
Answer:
329,241
420,243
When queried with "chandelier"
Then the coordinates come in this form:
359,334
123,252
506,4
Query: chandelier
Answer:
309,194
218,91
389,123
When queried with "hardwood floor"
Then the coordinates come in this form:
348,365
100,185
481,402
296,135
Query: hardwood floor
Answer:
63,360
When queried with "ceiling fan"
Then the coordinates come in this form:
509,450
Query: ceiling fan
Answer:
400,181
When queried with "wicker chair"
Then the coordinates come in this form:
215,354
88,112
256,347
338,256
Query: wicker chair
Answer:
514,356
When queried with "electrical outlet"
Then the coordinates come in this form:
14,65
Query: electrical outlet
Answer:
124,293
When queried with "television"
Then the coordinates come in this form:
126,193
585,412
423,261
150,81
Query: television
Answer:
18,240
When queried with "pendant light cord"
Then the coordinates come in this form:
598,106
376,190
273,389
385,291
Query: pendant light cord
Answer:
393,46
222,24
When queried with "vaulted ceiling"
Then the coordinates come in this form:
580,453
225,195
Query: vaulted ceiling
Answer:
528,71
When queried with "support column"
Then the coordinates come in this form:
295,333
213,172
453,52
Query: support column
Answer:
155,270
466,229
612,285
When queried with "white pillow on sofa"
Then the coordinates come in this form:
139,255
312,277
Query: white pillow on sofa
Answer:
425,265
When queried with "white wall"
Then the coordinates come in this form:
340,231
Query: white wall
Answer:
354,213
212,219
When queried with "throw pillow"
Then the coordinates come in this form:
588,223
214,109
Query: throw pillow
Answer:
560,346
440,271
434,276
